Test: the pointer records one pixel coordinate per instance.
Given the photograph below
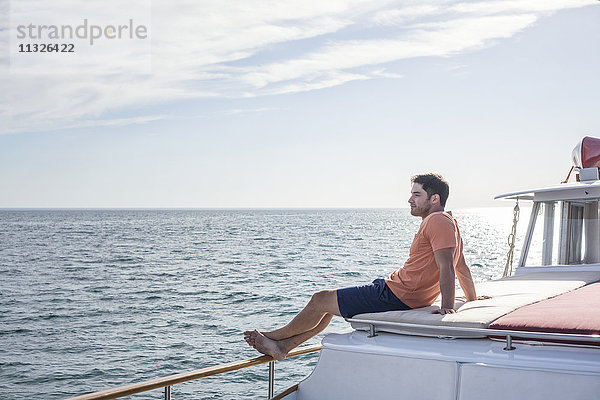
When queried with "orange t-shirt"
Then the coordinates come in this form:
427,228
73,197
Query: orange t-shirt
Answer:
417,283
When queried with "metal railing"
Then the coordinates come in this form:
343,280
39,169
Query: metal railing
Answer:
168,381
443,331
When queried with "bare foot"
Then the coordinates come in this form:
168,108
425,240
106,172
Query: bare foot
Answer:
250,337
268,346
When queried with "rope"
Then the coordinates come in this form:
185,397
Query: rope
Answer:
511,242
569,175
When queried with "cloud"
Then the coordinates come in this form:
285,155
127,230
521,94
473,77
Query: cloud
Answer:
334,78
228,48
397,16
433,39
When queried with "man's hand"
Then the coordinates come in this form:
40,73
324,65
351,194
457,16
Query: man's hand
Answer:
444,311
464,299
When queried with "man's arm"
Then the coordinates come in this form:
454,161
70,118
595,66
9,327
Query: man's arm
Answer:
465,279
444,259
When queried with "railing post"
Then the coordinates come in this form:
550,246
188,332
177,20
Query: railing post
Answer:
167,392
271,378
509,345
372,332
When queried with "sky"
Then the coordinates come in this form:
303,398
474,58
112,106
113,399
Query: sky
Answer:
269,104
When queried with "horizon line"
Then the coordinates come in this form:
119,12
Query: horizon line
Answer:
224,208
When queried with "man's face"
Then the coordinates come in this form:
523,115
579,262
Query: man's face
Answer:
419,202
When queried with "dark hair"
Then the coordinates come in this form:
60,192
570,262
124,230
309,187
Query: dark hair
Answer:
433,184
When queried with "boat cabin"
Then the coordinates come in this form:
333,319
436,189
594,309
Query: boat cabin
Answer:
563,227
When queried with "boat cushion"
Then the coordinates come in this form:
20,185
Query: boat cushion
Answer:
573,312
508,294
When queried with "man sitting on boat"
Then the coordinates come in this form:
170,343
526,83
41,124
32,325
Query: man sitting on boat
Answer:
435,255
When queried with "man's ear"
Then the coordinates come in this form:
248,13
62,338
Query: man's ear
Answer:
436,197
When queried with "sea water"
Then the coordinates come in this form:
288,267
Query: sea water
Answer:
94,299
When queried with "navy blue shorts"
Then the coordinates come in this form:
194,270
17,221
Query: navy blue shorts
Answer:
374,297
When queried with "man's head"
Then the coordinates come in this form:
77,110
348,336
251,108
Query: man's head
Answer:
428,194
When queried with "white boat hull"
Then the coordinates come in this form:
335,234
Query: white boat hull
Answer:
354,366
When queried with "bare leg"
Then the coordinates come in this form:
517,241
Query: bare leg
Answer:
311,320
295,341
321,303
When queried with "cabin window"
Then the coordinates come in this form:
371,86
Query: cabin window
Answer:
564,233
